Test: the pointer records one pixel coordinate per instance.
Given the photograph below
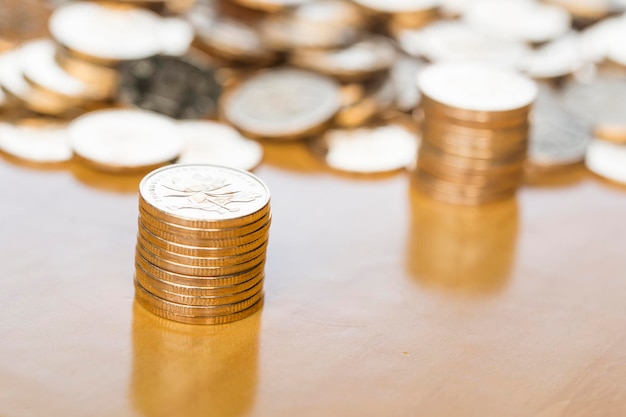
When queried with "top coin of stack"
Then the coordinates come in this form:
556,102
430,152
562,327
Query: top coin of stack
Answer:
201,246
475,133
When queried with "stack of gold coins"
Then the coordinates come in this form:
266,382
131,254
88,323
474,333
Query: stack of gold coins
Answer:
475,133
201,244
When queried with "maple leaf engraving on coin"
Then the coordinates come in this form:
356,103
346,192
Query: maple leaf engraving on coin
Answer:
206,193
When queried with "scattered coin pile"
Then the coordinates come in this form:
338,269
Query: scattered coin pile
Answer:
201,244
333,72
475,132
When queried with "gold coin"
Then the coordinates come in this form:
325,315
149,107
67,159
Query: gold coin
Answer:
200,300
101,81
203,261
479,121
495,148
509,163
229,318
479,180
469,151
460,199
400,22
145,297
199,271
153,222
468,172
495,118
451,191
188,250
145,278
472,178
200,224
198,281
466,190
204,196
262,233
484,137
611,133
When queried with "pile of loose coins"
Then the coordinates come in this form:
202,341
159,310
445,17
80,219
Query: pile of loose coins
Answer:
475,132
340,76
202,242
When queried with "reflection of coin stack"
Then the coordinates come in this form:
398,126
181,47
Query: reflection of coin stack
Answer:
461,249
475,133
193,371
203,234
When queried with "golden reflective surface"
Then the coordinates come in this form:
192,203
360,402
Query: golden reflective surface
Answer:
379,302
462,248
188,370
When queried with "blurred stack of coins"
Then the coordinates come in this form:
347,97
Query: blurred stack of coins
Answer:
475,132
201,245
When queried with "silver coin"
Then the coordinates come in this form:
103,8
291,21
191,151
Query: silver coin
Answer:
557,137
526,21
370,149
554,59
477,87
283,103
11,78
118,140
228,38
596,39
403,75
607,160
214,143
176,36
363,59
40,142
40,67
455,8
179,87
20,92
455,41
324,25
107,33
599,103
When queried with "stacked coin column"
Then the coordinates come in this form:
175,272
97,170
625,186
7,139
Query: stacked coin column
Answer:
201,244
475,132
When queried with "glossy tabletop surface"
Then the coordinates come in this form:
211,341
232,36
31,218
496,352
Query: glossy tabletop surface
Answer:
379,302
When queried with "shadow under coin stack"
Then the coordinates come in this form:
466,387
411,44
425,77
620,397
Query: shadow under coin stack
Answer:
475,132
201,244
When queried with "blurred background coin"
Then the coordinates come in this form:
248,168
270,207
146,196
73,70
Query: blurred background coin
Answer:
125,140
174,86
283,103
215,143
374,148
607,160
36,140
